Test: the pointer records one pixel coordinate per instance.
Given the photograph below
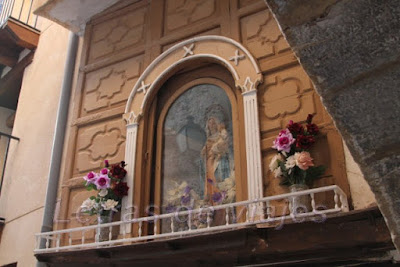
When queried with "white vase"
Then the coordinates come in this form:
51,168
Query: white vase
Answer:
299,204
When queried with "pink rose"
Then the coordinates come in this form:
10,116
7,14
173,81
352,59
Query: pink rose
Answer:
284,141
104,171
102,182
90,178
304,160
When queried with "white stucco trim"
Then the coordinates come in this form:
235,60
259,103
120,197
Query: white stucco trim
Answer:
182,61
180,46
247,75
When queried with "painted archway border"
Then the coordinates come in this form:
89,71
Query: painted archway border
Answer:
246,74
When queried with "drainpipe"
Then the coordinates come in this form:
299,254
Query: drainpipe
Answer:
58,142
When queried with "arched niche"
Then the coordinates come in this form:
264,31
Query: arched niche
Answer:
217,49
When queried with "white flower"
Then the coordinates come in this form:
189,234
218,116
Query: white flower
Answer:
227,184
290,162
103,192
274,162
110,204
88,204
278,172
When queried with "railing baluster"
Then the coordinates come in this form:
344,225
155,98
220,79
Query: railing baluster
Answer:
172,224
8,12
35,24
47,241
312,202
247,213
140,229
58,241
3,12
227,216
109,233
155,226
69,239
253,211
97,236
208,218
268,210
12,6
190,220
124,230
261,210
335,198
20,11
83,237
290,208
344,205
29,13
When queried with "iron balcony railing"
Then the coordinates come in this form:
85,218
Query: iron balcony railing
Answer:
4,146
20,10
272,211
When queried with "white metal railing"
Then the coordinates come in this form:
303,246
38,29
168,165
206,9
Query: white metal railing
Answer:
186,223
20,10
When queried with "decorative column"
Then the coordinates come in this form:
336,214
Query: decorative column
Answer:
127,209
253,150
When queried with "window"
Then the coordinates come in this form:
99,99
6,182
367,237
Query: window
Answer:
197,157
193,154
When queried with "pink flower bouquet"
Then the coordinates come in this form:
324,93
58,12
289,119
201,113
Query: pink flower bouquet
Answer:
111,189
293,163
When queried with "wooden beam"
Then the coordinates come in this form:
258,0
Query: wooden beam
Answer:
23,36
8,56
15,73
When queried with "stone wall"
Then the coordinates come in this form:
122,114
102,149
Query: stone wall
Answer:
350,49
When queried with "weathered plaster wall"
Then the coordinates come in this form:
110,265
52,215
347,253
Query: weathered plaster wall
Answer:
350,49
72,14
28,162
5,113
361,193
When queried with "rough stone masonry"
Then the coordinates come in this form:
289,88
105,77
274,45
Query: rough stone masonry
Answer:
351,51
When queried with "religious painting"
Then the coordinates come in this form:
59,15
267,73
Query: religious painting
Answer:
197,159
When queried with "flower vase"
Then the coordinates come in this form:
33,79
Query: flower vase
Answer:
299,204
104,232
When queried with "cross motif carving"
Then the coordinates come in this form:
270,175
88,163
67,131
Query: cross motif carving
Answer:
237,57
143,88
188,51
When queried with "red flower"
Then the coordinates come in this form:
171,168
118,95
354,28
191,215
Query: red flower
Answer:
118,171
121,189
312,129
304,141
295,128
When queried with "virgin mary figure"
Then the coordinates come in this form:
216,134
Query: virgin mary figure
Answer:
215,157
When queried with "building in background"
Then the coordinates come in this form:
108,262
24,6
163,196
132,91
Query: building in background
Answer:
151,82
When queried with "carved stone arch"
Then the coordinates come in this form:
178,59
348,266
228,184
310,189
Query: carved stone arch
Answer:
218,49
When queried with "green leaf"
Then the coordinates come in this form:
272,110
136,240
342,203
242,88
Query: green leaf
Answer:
91,187
314,173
